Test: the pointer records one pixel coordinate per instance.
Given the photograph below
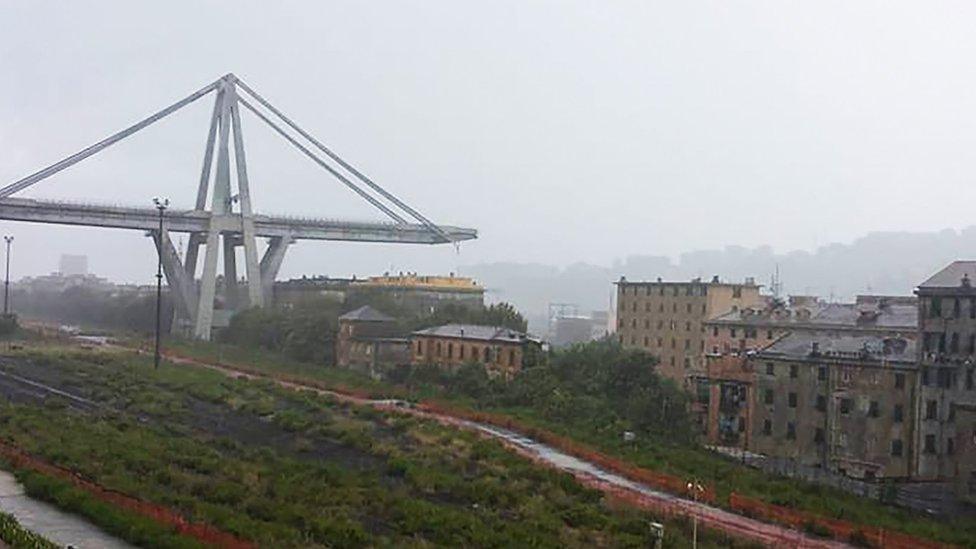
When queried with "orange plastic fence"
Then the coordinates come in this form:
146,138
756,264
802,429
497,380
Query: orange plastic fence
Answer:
203,532
839,529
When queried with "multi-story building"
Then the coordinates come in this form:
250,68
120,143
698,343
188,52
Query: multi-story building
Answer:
946,407
419,293
840,402
500,350
667,319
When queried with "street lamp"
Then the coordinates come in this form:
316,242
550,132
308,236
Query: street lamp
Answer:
696,489
6,283
161,204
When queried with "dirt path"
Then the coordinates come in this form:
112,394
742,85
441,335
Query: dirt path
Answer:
587,473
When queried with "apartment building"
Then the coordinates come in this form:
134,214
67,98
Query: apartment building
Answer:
667,319
946,407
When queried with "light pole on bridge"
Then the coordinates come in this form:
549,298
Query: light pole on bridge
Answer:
161,204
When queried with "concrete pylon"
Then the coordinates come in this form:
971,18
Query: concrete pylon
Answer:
231,220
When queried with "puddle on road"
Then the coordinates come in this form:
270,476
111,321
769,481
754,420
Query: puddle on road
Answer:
48,521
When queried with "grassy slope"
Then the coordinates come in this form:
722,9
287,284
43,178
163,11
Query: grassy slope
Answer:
726,475
396,481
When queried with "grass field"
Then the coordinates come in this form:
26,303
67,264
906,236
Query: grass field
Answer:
653,453
290,469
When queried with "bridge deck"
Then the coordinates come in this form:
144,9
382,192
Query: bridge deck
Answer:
189,221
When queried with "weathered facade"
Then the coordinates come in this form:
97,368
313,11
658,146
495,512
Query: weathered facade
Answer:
502,351
667,319
947,400
839,402
369,341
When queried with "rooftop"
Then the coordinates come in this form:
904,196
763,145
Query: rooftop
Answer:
891,312
472,331
715,281
366,314
956,274
860,347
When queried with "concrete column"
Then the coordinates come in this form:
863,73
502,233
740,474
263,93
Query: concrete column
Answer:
231,300
271,263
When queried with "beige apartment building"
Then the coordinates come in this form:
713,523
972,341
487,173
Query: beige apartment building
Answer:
667,319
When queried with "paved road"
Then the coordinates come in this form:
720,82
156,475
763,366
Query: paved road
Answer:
49,521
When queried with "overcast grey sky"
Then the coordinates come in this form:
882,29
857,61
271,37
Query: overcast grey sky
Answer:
563,131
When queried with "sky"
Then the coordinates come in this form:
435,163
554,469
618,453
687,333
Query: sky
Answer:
563,131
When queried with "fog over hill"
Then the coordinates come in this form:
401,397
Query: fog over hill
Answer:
880,262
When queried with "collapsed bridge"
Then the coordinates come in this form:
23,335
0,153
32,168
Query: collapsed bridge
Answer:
230,221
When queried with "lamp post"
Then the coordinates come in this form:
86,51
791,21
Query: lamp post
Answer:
6,282
161,204
696,489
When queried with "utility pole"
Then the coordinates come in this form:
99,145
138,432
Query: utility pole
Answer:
161,204
6,283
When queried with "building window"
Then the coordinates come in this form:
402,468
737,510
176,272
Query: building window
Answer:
954,343
794,371
899,381
969,379
925,375
955,308
791,430
450,350
715,331
647,341
896,447
899,414
742,424
660,324
935,307
660,342
768,396
420,347
511,357
821,403
687,363
818,435
736,292
438,348
461,350
688,308
687,344
971,344
770,369
929,444
687,326
647,324
873,410
769,334
674,343
845,406
822,373
633,323
792,400
950,446
767,427
732,332
931,409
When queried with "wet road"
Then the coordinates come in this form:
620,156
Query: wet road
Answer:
49,521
